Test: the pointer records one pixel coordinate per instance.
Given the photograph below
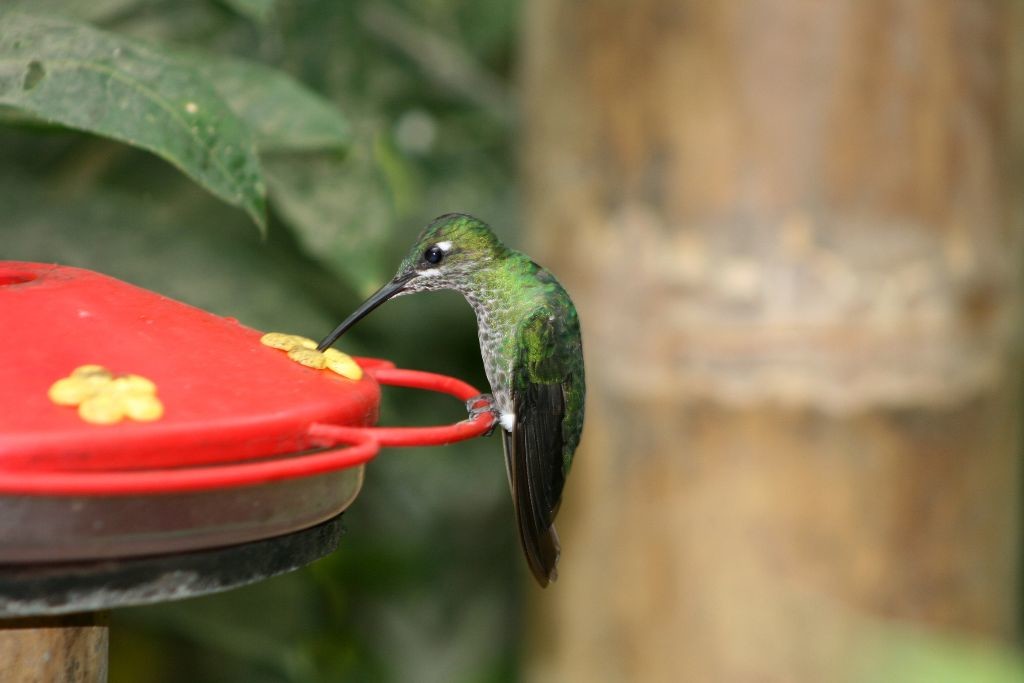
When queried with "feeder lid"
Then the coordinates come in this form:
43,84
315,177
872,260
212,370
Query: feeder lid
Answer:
251,445
226,396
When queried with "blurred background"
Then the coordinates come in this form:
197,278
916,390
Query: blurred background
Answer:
793,232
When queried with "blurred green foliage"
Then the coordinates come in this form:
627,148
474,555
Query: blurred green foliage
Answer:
354,122
901,652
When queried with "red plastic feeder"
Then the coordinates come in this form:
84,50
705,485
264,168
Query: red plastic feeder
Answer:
251,445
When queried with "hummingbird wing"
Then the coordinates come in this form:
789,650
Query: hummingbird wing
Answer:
535,446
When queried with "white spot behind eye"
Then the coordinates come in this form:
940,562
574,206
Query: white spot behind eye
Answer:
445,246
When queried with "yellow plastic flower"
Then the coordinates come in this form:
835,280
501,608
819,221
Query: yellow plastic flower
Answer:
343,364
311,358
103,398
303,351
286,342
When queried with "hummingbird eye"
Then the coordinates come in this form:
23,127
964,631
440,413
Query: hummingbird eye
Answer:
433,254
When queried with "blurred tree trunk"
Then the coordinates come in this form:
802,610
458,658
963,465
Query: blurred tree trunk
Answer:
63,649
792,234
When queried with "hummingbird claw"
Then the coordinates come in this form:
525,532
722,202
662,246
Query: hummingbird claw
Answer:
484,403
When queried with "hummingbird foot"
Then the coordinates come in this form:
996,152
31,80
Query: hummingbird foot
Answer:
484,403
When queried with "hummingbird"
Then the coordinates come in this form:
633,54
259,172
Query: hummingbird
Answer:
533,358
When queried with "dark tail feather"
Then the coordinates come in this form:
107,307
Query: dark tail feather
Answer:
536,534
541,549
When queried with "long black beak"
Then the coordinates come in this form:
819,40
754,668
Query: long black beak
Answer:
376,299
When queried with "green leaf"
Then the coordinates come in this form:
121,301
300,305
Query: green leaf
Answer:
79,77
282,113
257,10
340,210
94,11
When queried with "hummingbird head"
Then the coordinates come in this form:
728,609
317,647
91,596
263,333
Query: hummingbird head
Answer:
447,253
445,256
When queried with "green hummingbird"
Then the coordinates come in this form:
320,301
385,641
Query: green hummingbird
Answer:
533,357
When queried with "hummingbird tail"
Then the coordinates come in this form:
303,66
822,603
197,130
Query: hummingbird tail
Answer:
556,550
534,448
534,515
542,551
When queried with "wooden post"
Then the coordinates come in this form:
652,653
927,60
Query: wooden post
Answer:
793,236
63,649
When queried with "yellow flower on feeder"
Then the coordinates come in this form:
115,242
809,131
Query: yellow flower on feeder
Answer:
103,398
302,350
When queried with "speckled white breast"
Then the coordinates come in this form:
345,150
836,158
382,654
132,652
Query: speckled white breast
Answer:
493,330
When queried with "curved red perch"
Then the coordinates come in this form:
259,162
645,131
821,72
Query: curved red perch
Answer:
362,444
428,436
